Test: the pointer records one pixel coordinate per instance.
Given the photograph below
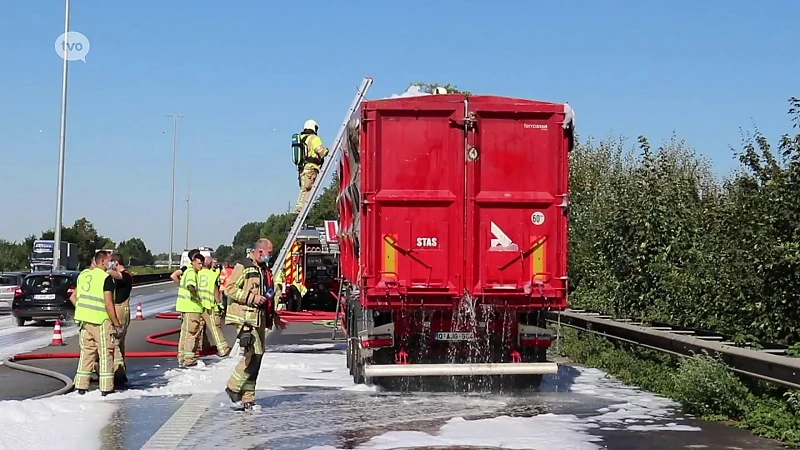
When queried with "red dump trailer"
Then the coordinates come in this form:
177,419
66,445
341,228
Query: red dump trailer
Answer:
453,235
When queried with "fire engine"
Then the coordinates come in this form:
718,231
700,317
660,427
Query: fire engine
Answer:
310,275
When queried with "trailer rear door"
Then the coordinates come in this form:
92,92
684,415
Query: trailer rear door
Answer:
517,187
413,183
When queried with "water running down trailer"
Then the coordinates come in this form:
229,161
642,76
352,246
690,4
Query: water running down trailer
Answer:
453,235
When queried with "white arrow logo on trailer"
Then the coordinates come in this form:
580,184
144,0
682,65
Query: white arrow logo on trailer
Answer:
501,239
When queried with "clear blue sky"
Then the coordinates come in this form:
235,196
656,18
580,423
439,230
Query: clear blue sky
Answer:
246,74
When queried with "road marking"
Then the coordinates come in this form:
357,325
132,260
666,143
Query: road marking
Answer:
171,434
161,291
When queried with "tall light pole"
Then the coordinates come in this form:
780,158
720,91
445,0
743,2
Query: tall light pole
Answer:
175,118
62,147
188,195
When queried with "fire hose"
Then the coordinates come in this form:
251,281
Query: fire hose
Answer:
155,338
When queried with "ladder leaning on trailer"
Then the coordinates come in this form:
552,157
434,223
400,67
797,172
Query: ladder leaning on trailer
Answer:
327,166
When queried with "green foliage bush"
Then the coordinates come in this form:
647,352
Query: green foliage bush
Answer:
654,233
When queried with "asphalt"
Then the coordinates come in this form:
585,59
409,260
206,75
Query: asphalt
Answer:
136,420
18,385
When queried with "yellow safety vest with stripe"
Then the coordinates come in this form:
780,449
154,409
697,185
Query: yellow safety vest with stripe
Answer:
188,303
206,286
91,303
313,158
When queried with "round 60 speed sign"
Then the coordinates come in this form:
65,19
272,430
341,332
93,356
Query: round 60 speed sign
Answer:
537,218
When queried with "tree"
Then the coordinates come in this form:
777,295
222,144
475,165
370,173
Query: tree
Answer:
248,234
135,252
277,227
430,87
656,235
85,236
13,256
226,253
325,208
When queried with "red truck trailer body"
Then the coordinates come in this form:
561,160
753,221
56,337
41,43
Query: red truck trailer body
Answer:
453,222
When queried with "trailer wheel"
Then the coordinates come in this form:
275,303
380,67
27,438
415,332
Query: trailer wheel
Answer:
349,355
358,370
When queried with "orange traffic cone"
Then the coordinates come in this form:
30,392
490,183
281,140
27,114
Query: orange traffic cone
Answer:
139,313
57,338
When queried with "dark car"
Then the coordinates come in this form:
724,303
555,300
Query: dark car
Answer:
9,286
45,296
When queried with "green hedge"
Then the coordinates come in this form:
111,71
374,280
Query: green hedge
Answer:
654,233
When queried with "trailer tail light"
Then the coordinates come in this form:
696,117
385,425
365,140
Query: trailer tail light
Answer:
377,341
533,341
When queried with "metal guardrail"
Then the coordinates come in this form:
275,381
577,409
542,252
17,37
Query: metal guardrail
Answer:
150,278
770,363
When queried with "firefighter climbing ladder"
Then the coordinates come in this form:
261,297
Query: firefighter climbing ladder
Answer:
331,161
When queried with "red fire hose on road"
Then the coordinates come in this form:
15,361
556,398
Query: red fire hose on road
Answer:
155,338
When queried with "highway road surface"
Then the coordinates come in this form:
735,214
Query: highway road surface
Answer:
14,339
306,400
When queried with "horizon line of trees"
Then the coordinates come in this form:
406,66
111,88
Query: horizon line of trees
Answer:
14,255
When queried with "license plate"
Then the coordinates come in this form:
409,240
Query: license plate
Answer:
44,296
454,336
4,304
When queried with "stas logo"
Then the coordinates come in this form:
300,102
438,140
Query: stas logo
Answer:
427,242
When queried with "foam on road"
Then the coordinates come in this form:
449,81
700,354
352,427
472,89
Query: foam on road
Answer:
306,399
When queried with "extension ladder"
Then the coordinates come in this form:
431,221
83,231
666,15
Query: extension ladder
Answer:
330,164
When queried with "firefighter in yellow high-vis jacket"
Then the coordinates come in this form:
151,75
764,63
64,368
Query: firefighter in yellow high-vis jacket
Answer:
99,325
191,309
208,290
315,153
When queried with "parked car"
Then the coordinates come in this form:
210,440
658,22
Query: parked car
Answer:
45,296
9,286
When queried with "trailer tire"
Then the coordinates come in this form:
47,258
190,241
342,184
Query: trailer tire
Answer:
349,334
349,355
358,370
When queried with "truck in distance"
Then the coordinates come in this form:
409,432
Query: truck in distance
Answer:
41,257
453,235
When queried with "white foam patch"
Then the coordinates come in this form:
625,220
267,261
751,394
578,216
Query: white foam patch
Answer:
279,370
629,409
543,432
412,91
634,406
75,424
77,420
302,347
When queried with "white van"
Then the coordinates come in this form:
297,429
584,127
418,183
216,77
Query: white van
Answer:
205,251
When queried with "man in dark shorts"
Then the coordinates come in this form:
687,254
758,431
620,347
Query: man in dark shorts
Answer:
122,296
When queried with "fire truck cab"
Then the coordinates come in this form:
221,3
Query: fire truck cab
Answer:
310,274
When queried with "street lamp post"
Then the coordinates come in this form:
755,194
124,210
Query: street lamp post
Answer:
62,147
175,118
188,197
